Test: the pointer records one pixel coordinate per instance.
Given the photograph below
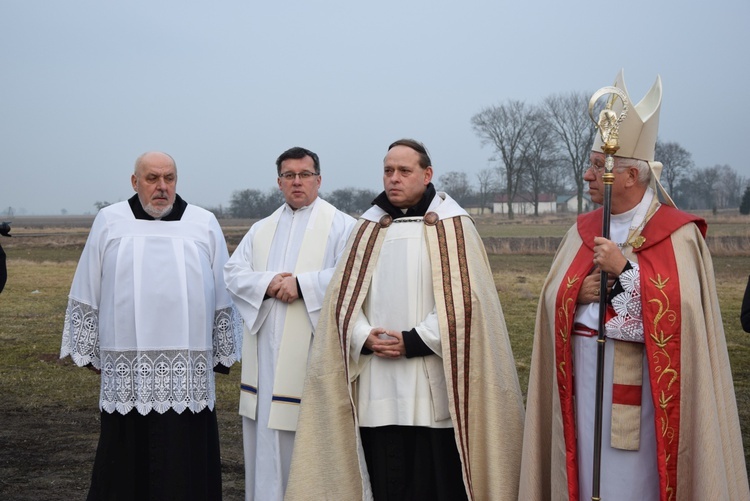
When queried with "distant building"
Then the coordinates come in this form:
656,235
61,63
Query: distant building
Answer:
473,206
475,211
569,203
548,204
523,204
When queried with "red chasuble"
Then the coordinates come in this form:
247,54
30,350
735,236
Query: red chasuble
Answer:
660,295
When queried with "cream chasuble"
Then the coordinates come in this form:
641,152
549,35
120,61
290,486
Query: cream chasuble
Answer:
484,399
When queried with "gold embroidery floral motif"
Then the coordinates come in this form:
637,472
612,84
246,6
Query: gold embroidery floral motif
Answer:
663,365
568,303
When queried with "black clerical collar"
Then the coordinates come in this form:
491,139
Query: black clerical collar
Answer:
178,209
420,209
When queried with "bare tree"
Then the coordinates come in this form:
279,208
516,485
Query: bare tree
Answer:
536,156
678,163
255,204
741,187
701,192
246,203
342,199
218,211
745,204
486,187
505,127
457,185
351,200
571,126
717,187
729,187
273,199
363,199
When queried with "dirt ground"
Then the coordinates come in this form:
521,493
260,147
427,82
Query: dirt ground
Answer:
49,457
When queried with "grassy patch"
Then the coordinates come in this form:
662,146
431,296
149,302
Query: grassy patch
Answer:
33,306
519,281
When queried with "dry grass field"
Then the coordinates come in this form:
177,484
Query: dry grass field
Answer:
49,409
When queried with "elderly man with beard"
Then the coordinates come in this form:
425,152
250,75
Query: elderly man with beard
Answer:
148,310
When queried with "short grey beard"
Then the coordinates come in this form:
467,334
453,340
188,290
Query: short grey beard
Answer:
157,213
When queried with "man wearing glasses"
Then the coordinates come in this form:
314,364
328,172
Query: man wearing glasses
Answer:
278,277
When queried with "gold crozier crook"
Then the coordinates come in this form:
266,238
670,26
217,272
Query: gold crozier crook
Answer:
608,126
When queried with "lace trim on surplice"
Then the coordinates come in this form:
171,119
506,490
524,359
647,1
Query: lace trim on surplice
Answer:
157,380
227,336
151,380
81,333
628,324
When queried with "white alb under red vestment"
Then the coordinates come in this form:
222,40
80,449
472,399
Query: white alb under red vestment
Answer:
698,445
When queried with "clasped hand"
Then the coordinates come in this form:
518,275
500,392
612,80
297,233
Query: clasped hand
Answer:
283,287
590,289
385,344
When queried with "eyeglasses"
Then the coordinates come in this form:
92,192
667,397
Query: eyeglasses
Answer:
305,174
599,169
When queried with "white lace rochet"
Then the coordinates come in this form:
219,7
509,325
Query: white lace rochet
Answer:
151,380
628,324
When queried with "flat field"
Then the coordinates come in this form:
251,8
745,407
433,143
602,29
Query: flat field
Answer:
49,414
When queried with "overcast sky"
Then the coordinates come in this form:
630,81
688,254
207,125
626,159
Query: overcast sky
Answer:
225,86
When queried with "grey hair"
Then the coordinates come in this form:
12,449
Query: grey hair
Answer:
644,171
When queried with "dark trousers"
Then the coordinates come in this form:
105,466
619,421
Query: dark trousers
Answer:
157,457
413,463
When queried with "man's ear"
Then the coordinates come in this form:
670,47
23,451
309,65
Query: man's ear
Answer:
428,175
633,174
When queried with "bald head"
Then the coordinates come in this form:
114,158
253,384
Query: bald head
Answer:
155,181
152,157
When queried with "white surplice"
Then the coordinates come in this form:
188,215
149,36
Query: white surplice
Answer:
149,308
268,451
406,391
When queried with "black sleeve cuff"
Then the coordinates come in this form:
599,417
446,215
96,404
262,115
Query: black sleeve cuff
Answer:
299,289
415,346
221,369
617,288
